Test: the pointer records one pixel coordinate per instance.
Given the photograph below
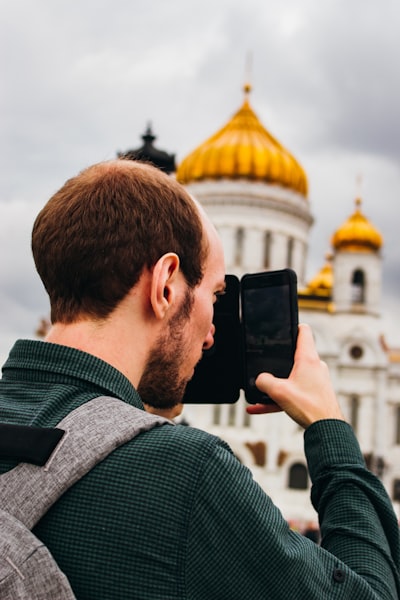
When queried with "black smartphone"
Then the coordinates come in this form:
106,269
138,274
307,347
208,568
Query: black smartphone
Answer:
269,326
218,376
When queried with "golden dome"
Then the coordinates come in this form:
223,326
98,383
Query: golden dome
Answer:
322,283
243,148
357,233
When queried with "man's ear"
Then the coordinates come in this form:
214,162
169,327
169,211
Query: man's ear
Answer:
164,283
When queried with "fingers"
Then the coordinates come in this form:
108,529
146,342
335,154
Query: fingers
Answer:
267,383
306,343
307,395
262,409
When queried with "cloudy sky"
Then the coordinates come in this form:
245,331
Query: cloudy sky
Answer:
81,80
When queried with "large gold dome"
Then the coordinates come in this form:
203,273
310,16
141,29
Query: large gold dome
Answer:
243,148
357,233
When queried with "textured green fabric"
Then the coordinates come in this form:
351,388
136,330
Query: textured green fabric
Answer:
173,514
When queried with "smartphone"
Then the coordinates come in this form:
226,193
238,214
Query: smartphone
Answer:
218,376
269,327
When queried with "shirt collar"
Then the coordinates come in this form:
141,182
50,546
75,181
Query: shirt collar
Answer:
39,361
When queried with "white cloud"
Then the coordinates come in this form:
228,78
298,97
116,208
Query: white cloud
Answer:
80,81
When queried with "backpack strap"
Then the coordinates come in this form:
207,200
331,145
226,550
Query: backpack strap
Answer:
92,431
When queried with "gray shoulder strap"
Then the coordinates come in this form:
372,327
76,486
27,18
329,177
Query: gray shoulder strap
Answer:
92,431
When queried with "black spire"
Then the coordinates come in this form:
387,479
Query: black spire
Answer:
148,153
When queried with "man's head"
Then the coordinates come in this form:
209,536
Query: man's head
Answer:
187,331
96,235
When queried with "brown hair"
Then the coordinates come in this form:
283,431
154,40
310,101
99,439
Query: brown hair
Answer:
94,237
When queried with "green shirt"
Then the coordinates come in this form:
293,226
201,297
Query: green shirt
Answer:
173,514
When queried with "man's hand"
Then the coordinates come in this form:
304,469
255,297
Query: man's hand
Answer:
307,395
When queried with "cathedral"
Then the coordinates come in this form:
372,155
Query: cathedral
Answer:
255,192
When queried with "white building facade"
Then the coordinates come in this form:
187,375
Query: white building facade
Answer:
255,193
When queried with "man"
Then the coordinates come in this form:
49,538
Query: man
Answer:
132,267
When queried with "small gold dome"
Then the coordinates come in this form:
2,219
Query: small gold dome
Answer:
357,233
243,148
322,283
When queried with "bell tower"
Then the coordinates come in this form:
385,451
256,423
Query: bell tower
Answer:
357,265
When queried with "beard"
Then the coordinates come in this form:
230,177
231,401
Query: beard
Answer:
161,385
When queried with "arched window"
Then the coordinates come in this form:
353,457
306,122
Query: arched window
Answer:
290,248
298,477
396,490
246,419
358,287
239,246
267,250
397,426
232,415
354,411
217,414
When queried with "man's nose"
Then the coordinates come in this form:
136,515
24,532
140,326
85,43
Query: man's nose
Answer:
209,341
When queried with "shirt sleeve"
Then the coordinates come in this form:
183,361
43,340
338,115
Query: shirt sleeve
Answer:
240,546
357,521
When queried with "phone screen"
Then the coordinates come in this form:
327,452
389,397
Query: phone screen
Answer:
217,377
270,323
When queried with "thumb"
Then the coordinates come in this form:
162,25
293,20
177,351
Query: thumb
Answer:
265,383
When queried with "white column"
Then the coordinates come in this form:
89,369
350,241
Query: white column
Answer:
253,250
228,237
278,251
299,261
379,445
